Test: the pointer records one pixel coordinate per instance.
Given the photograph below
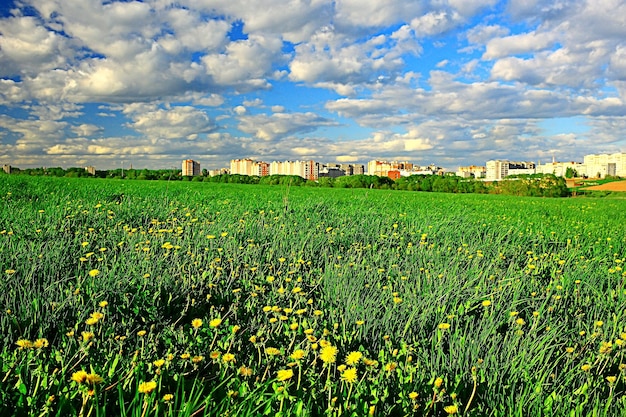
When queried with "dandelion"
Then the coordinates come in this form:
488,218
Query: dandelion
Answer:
486,303
438,382
228,357
443,326
200,358
360,322
94,273
215,322
328,354
168,397
147,387
159,363
349,375
391,366
93,379
272,351
413,395
87,336
185,356
297,354
284,374
103,304
451,409
586,367
520,322
91,321
10,271
196,323
141,333
235,329
353,358
79,376
611,379
245,372
24,344
40,343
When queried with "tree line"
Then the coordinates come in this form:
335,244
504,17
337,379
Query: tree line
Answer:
535,185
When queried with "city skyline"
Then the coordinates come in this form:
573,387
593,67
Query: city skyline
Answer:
455,83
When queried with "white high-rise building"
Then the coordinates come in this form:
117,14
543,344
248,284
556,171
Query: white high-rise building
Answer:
499,169
191,168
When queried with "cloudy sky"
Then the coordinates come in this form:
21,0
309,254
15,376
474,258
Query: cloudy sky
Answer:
450,82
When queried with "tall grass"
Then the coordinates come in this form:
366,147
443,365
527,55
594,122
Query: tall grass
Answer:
232,299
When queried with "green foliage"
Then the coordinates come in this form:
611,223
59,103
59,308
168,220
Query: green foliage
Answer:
227,297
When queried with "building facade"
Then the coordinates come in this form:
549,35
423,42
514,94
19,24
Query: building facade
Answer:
601,165
191,168
499,169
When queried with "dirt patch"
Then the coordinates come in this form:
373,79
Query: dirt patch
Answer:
610,186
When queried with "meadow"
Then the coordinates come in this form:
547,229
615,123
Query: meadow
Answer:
160,298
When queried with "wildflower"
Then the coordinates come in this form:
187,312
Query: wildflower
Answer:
353,358
294,326
586,367
235,329
413,395
24,344
168,397
93,379
486,303
318,312
391,366
438,382
284,374
103,304
451,409
97,315
87,336
147,387
228,357
91,321
200,358
349,375
443,326
606,347
215,322
245,372
196,323
297,354
185,356
159,363
599,323
611,379
40,343
328,354
94,273
141,333
569,349
79,376
272,351
520,322
360,322
10,271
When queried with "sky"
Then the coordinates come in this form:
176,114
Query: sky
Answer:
446,82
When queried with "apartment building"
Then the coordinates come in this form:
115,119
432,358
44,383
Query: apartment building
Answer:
499,169
472,171
601,165
191,168
305,169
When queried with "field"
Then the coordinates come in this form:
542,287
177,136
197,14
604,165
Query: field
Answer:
190,299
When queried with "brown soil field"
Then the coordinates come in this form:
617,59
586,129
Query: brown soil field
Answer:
611,186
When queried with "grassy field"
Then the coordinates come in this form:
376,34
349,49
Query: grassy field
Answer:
189,299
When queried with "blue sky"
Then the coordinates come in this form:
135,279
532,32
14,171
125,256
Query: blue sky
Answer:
450,82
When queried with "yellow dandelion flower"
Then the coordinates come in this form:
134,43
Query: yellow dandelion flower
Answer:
324,343
159,363
168,397
328,354
235,329
353,358
349,375
308,331
569,349
228,357
451,409
438,382
272,351
215,322
443,326
297,354
252,339
94,273
245,372
40,343
103,304
185,356
513,313
360,322
391,366
520,322
486,303
93,379
87,336
147,387
200,358
284,374
196,323
97,315
611,379
599,323
413,395
294,326
79,376
141,333
586,367
606,347
10,271
318,312
91,321
24,344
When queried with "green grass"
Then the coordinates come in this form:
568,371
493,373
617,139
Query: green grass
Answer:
488,304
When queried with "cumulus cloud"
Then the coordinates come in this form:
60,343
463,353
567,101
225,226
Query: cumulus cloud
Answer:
170,123
269,127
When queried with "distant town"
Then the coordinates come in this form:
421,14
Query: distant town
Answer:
593,166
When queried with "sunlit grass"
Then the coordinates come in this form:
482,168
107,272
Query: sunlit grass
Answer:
136,298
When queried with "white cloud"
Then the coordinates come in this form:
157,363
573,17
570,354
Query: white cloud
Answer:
172,123
281,124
